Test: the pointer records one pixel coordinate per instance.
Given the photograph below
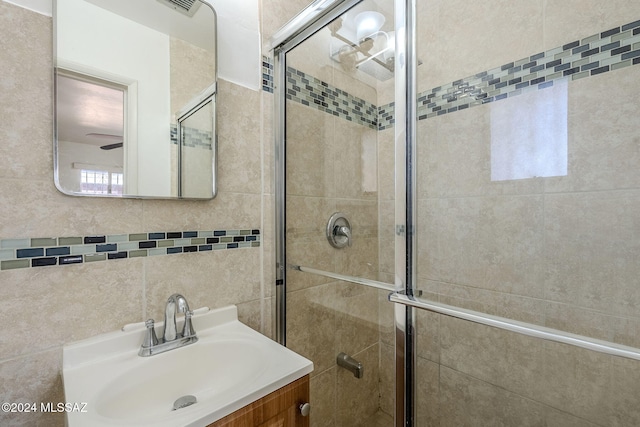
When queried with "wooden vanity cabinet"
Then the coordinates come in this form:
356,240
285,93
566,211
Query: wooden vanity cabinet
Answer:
278,409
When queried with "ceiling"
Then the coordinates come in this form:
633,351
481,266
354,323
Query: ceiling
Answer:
88,113
198,30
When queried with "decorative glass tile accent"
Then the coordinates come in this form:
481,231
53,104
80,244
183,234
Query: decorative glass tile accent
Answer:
42,262
173,134
15,243
6,254
29,253
65,250
47,241
95,257
95,239
159,251
194,138
13,264
64,241
600,53
386,116
197,138
71,259
128,246
593,55
267,74
40,252
315,93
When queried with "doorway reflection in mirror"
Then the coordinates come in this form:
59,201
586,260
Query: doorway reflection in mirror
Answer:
90,126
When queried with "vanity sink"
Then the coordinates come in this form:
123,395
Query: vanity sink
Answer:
230,366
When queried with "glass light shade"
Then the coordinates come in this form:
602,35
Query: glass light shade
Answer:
391,46
368,23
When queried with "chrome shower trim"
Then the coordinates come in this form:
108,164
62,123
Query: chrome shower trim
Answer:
301,27
405,215
307,18
343,277
308,22
279,88
316,16
519,327
338,231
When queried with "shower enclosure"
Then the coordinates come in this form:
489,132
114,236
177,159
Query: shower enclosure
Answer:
486,158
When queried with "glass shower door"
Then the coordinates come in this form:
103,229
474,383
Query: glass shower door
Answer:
528,192
339,163
197,151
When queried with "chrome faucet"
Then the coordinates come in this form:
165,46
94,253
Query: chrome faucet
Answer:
175,301
171,339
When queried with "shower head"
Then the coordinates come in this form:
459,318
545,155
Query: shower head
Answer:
186,7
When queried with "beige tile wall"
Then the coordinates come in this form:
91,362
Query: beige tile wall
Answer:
455,382
47,307
192,71
324,175
326,166
325,317
558,251
490,246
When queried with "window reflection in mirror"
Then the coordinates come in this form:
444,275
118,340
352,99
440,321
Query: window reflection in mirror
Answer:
125,71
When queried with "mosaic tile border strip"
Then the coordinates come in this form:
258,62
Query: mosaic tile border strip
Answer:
386,116
312,92
606,51
267,74
49,251
609,50
196,138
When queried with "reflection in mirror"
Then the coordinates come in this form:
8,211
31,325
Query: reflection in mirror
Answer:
135,98
197,150
90,135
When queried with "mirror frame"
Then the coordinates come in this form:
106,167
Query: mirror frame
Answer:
205,94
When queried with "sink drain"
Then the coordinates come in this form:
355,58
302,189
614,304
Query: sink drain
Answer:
184,401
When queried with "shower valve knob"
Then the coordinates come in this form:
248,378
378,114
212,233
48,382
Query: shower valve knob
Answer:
339,231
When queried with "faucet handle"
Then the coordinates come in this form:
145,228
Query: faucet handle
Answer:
188,330
343,230
150,338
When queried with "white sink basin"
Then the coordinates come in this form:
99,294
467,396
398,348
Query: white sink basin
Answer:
229,367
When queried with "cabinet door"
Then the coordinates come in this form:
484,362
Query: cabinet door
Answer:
290,417
279,409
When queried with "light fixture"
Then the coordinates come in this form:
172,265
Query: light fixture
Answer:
391,46
368,23
358,43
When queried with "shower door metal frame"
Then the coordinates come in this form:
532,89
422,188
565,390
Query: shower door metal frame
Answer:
312,19
405,212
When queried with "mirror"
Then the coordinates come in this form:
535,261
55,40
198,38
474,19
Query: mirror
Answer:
135,94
